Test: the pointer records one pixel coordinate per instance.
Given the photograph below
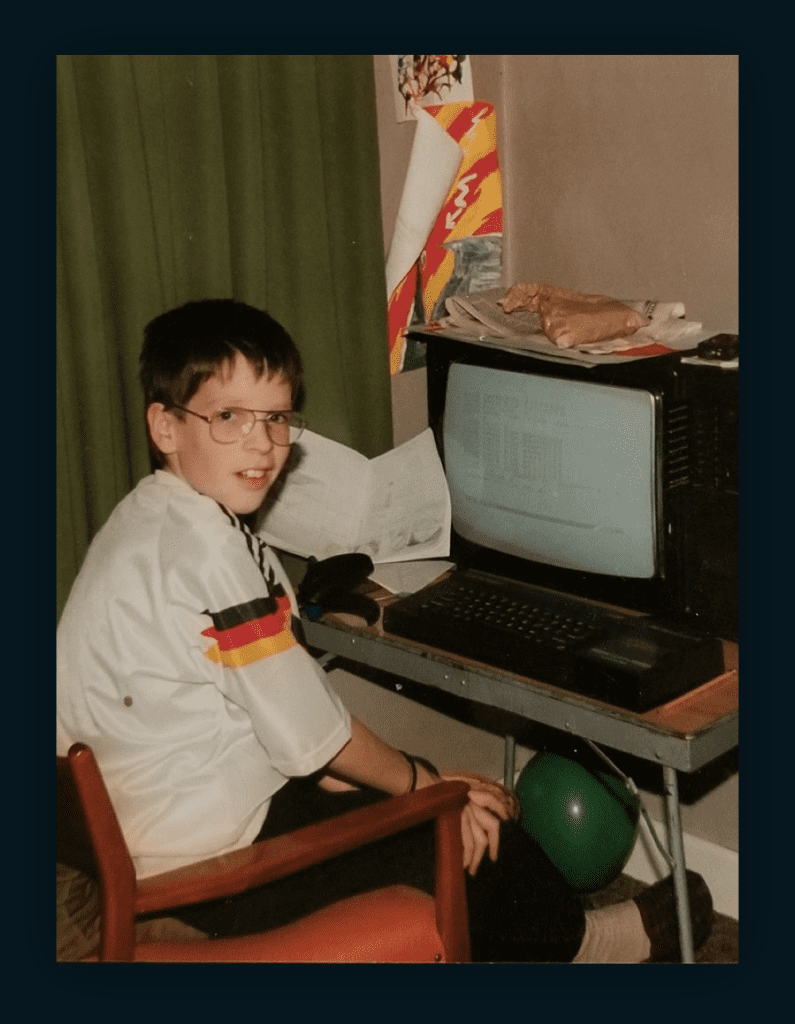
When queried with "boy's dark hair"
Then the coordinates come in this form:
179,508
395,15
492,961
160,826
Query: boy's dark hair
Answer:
186,346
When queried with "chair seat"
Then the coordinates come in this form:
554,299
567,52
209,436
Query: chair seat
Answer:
394,924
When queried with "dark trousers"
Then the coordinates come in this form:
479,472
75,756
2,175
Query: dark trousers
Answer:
520,908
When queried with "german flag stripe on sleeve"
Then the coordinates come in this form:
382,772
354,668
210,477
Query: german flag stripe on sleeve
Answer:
253,640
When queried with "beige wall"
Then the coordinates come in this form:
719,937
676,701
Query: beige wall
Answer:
619,177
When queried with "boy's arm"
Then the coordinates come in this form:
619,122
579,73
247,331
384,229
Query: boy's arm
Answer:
367,759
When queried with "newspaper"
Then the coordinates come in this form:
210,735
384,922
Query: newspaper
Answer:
395,507
476,310
479,317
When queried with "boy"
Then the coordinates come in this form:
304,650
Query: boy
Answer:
212,726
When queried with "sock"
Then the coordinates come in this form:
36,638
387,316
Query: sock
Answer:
614,935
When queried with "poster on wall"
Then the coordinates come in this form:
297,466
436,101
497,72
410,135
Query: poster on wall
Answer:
420,80
448,234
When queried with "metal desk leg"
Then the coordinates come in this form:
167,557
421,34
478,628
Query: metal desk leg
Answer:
509,762
678,853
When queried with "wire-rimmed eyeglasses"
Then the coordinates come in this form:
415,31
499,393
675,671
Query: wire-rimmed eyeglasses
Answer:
230,425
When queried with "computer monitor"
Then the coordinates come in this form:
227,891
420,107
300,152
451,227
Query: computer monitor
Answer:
577,478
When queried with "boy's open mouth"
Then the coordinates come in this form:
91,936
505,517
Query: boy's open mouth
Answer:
254,477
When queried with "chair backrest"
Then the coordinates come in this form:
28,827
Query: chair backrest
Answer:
89,838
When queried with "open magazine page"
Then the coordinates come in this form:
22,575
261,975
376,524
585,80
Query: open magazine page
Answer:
318,506
395,507
408,515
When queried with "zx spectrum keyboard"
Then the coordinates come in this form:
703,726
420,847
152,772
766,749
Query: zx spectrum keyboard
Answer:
630,661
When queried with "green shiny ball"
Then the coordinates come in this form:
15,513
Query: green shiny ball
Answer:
586,821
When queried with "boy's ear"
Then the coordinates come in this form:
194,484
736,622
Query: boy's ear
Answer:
162,428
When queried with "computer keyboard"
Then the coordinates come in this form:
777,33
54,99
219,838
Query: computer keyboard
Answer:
631,661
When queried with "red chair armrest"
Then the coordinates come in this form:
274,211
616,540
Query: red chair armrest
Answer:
232,873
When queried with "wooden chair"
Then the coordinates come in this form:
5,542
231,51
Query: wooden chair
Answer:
394,924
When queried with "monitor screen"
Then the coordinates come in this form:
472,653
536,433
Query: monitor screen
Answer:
553,470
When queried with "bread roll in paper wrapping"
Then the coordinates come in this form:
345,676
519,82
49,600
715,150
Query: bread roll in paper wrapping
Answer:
570,318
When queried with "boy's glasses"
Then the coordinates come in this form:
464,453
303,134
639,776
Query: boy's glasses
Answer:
230,425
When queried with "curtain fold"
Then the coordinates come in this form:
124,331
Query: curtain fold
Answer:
183,177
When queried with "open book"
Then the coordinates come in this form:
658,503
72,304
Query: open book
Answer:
395,507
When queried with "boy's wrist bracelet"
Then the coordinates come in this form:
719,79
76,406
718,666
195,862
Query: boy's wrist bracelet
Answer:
413,761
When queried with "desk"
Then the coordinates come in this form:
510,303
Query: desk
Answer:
682,735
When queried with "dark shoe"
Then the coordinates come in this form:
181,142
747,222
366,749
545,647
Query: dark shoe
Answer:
657,906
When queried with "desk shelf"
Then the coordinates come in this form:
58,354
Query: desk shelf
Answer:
685,734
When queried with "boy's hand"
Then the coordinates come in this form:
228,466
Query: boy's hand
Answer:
492,795
489,804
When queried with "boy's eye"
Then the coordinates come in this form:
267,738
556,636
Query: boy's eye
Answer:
227,415
278,418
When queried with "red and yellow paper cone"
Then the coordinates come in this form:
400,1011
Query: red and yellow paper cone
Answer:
472,207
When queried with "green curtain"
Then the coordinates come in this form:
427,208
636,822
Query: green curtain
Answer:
183,177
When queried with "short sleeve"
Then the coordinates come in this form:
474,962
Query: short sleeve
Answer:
233,604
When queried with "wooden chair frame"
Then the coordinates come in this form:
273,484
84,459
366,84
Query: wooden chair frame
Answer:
90,839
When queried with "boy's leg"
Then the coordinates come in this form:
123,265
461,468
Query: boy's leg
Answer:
520,908
302,802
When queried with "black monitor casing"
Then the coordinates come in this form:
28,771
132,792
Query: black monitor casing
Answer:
696,484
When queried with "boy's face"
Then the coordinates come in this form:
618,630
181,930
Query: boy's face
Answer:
237,475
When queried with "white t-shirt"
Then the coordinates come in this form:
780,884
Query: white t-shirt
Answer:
178,666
